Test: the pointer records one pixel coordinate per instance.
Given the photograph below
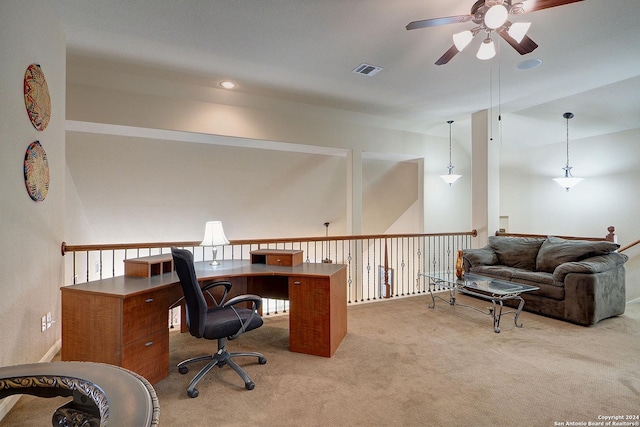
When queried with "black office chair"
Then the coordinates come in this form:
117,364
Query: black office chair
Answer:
221,322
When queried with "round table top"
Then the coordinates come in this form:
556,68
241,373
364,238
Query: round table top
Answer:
122,396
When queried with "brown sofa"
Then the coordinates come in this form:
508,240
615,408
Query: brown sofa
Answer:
580,281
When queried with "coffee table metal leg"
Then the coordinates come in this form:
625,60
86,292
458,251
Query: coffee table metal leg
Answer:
432,285
497,314
518,311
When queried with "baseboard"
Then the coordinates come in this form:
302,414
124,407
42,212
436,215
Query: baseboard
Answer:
9,402
634,301
49,355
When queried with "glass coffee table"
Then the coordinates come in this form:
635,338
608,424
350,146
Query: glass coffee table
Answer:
495,290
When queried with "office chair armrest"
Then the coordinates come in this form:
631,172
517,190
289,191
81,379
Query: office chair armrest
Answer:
255,299
257,303
227,288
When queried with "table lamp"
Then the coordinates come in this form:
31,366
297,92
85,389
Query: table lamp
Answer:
214,236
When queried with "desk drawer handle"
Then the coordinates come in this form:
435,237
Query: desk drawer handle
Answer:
296,283
149,300
148,344
278,260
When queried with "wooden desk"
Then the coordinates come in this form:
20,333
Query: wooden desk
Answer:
123,320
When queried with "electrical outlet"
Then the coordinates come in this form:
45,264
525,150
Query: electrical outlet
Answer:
49,322
44,323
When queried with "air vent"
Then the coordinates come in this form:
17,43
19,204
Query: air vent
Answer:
367,70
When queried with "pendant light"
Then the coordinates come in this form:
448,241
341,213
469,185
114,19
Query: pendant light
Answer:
568,180
450,178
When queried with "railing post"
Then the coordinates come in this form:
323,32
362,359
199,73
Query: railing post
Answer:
611,237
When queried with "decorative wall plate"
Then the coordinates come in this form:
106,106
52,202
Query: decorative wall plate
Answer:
36,97
36,171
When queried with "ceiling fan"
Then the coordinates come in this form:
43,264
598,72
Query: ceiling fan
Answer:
490,16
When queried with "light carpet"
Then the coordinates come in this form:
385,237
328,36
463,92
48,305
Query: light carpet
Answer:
404,364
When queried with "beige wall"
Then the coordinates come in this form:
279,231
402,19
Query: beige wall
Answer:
271,168
31,264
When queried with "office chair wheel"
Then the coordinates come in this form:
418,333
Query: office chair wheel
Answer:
250,385
262,360
183,370
193,393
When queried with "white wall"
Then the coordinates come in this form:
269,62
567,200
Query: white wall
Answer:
264,193
610,165
607,196
31,264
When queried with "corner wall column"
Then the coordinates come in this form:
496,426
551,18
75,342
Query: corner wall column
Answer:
485,186
354,192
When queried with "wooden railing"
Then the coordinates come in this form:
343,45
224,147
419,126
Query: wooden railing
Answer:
629,246
378,266
610,237
501,233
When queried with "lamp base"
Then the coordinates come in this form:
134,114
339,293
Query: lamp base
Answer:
215,255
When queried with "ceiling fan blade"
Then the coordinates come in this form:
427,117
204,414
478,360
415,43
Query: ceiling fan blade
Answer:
448,55
533,5
438,21
525,46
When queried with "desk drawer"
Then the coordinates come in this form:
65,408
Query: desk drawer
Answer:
144,315
149,356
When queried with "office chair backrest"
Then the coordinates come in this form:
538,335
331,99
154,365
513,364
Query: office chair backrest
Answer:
194,299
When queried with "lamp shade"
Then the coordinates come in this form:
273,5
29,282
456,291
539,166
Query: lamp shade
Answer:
568,182
214,234
487,49
518,30
450,178
462,39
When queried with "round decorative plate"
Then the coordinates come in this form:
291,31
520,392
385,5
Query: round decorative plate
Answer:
36,97
36,172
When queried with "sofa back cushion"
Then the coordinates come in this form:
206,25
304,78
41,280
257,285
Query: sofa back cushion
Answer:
555,251
518,252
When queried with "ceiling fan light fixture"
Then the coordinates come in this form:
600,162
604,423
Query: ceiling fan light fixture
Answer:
487,49
518,30
496,16
462,39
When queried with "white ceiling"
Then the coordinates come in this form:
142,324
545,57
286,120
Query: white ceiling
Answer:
306,49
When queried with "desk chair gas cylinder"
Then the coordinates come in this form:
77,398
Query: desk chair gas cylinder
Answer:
227,320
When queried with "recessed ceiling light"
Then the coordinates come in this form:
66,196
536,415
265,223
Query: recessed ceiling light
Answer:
227,84
529,64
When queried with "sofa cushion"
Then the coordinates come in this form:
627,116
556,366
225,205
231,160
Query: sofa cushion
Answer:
532,277
482,256
497,271
518,252
555,251
549,288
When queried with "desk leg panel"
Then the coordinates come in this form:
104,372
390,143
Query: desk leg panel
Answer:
317,314
91,327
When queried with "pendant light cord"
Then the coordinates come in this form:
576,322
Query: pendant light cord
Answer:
450,165
568,116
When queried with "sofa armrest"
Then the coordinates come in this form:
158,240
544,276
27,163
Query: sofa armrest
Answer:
481,256
591,297
596,264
